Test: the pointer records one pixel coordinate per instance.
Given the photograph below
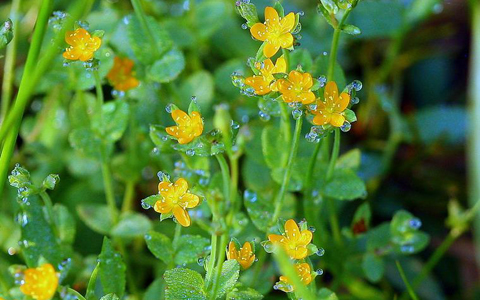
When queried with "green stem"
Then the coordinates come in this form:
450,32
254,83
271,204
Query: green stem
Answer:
288,170
128,196
211,261
140,13
33,72
405,280
106,174
473,146
333,54
330,201
335,152
47,201
287,268
176,236
286,126
225,176
10,57
220,260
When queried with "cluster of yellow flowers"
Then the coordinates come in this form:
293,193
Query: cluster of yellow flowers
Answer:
295,243
296,86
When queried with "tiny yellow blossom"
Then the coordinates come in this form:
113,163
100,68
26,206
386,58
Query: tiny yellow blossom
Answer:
40,283
244,256
176,199
188,127
121,75
304,272
331,110
263,83
276,32
293,241
82,45
297,88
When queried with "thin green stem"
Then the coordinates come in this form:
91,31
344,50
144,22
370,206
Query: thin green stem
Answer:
10,57
176,236
330,202
333,54
211,261
411,292
128,196
334,156
288,171
286,126
220,260
287,268
33,72
225,176
140,13
77,294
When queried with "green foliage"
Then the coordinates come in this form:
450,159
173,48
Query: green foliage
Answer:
168,67
6,33
345,185
183,284
228,278
111,269
190,248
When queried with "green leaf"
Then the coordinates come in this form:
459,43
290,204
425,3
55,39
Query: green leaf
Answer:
6,33
301,57
248,11
209,17
350,115
259,210
96,216
190,248
244,293
111,269
168,67
131,225
373,267
326,294
223,81
151,200
113,121
228,277
183,284
349,160
85,141
37,237
141,43
160,245
351,29
378,18
378,237
65,223
345,185
441,123
161,139
363,213
320,67
330,6
200,85
274,152
155,291
50,181
110,297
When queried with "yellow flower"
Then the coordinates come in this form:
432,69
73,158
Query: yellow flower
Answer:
304,272
40,283
176,199
293,241
121,75
188,127
297,88
331,111
262,83
82,45
244,256
275,32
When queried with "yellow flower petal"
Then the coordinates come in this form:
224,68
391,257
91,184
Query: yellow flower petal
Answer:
271,16
286,40
181,215
291,230
259,31
337,120
287,23
343,102
190,200
270,49
280,65
321,119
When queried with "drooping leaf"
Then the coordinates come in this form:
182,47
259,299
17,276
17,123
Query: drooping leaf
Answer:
96,217
345,185
190,248
373,267
131,225
168,67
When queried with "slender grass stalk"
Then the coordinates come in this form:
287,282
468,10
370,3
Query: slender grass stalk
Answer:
287,268
10,58
411,292
473,149
224,237
279,200
32,74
